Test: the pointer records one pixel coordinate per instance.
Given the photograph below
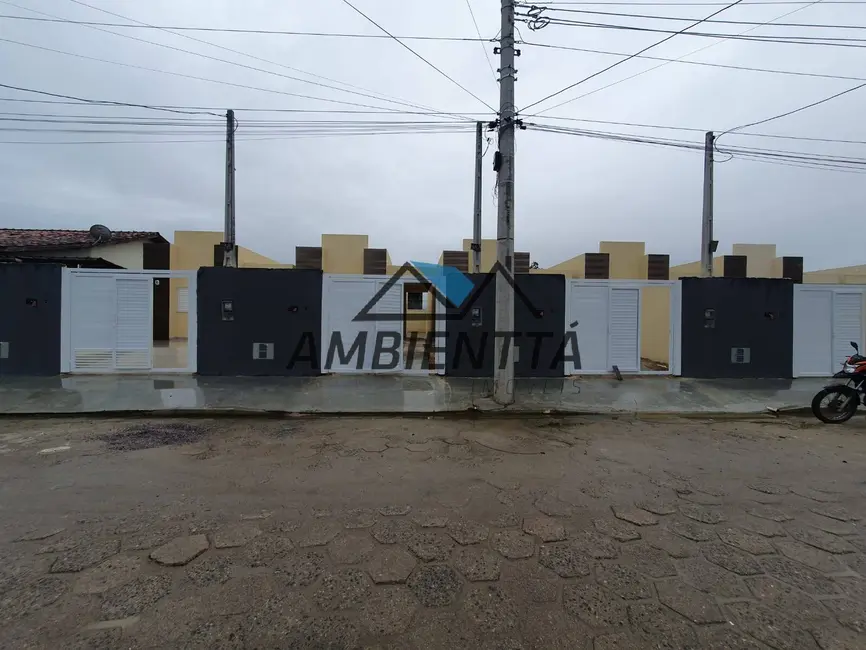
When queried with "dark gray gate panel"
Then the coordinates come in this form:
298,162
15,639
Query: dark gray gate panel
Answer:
30,319
540,320
469,330
737,328
256,321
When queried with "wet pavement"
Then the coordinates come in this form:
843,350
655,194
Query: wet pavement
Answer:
393,394
585,533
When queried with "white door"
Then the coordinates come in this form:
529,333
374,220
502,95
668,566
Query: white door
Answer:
813,332
624,329
134,342
847,325
92,301
588,318
347,344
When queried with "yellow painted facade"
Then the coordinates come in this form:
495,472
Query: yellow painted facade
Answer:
344,253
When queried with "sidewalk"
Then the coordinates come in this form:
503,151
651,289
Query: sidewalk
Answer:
378,394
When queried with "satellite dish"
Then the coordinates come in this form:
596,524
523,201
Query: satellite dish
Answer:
99,233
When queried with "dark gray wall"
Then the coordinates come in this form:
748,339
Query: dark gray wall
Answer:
279,306
753,313
30,318
539,309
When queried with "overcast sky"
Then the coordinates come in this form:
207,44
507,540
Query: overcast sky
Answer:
413,194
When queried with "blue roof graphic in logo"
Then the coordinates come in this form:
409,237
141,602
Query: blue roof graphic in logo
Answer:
450,282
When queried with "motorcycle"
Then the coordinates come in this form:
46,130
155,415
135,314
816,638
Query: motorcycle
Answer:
837,403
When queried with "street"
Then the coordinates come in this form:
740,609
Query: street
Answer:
426,533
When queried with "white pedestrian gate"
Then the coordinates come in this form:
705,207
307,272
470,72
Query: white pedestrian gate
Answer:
107,321
826,319
606,317
350,346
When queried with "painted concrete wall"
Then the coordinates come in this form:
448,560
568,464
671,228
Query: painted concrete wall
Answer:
129,255
344,253
627,259
760,260
488,253
655,316
30,319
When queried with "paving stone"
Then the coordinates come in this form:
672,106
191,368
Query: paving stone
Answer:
235,536
513,544
134,597
661,627
490,608
731,559
546,529
431,546
65,544
435,585
853,586
318,533
703,514
815,495
595,545
351,548
505,520
430,519
648,560
658,506
534,583
440,629
836,512
745,541
619,641
769,488
795,574
794,603
209,571
266,550
635,516
770,627
39,534
180,551
850,613
768,512
330,632
829,525
563,559
84,556
620,531
321,513
389,611
395,510
151,537
391,565
477,564
820,539
31,597
392,531
345,589
691,530
809,555
553,507
725,639
464,531
554,630
856,562
624,581
702,499
674,545
301,569
359,518
835,639
113,572
695,605
712,579
762,527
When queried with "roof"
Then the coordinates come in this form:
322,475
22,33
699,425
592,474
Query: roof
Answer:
25,239
71,262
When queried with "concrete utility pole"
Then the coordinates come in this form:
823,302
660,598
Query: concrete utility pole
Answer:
476,223
229,249
503,372
707,244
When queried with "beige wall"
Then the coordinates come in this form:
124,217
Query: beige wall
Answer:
655,323
627,259
842,275
343,253
571,268
760,260
129,255
422,327
488,254
693,269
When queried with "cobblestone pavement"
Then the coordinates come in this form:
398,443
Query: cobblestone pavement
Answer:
431,533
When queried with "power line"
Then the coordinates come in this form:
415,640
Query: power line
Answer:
402,44
366,92
610,67
478,31
693,52
698,4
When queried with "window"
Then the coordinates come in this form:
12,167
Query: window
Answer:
414,301
182,300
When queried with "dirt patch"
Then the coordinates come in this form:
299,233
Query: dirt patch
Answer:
149,435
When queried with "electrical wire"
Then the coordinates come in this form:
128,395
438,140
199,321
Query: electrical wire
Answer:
688,54
483,46
402,44
631,56
656,3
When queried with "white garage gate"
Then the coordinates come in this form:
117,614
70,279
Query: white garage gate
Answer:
606,317
107,321
349,346
826,319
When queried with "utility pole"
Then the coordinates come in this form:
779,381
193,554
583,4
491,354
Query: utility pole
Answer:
708,246
503,372
476,223
229,247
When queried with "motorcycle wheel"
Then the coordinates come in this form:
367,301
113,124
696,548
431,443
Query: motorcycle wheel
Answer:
828,407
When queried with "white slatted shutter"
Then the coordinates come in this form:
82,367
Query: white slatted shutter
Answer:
134,324
847,325
390,304
182,300
625,329
92,322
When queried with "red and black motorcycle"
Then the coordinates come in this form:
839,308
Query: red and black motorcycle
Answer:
838,402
